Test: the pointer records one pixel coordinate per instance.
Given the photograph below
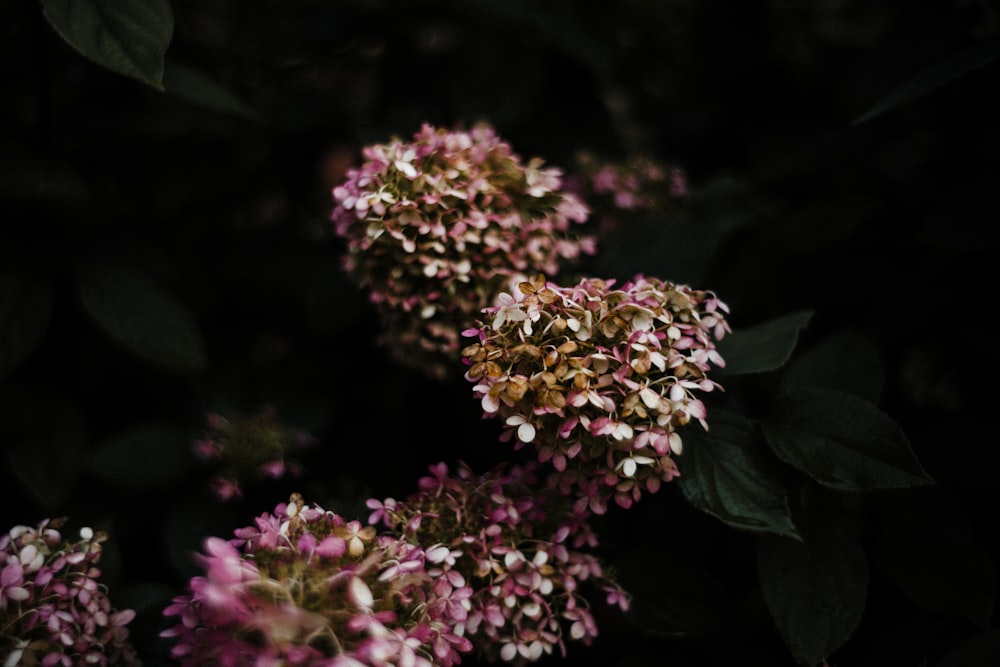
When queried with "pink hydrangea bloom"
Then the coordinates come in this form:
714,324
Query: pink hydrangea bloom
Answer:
599,379
302,586
248,450
618,191
53,608
508,560
436,227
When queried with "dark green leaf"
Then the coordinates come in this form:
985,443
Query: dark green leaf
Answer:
152,455
654,250
143,318
725,472
925,548
934,77
842,441
846,361
816,588
196,87
25,311
764,347
129,37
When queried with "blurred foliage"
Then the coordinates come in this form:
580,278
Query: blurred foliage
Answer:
165,251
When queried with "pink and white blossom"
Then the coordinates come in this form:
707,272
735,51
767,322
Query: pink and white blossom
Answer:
604,382
437,227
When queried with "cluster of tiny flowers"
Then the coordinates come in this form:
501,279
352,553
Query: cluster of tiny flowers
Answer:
53,610
249,449
517,549
438,226
614,190
598,378
303,586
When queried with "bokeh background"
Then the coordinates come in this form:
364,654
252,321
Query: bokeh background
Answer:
168,253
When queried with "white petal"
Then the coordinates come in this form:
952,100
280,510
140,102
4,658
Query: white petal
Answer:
360,594
406,168
525,432
508,652
650,398
642,321
438,553
676,446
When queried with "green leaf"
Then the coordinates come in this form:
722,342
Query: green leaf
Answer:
925,547
129,37
653,250
143,318
934,77
196,87
25,312
764,347
148,456
726,473
816,588
845,360
842,441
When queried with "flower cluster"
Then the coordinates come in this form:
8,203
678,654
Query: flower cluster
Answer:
303,586
249,449
517,548
53,610
437,227
615,189
598,378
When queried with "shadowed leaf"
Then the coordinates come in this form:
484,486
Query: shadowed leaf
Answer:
143,318
726,473
934,77
194,86
846,361
129,37
764,347
653,250
842,441
816,588
152,455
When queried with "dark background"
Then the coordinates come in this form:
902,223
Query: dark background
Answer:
886,228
